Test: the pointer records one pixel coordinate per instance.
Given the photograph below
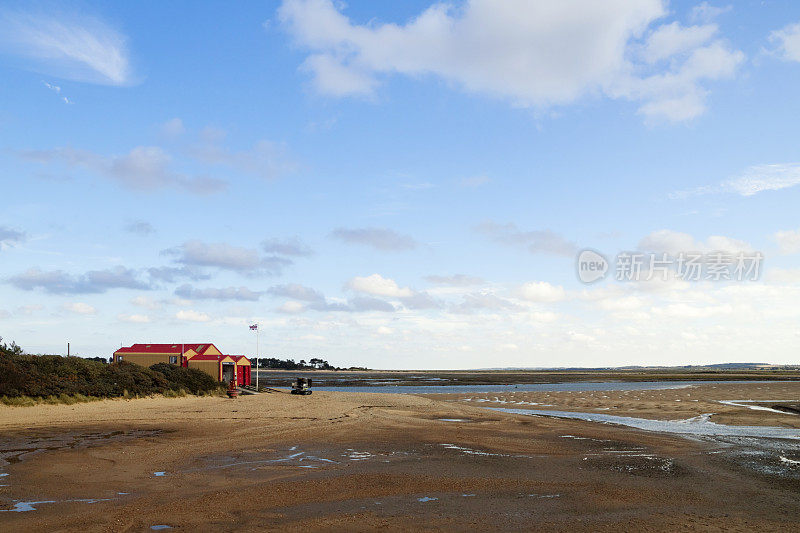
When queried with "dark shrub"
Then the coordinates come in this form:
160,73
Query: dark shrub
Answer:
190,379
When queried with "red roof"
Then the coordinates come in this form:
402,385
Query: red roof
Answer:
165,348
238,358
208,357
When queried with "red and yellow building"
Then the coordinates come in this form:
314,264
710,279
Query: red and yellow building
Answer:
202,356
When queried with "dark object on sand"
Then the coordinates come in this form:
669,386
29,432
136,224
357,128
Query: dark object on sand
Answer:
233,392
302,386
793,408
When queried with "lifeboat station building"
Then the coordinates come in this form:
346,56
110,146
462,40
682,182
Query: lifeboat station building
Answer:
205,357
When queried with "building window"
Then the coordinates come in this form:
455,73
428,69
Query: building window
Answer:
173,359
119,358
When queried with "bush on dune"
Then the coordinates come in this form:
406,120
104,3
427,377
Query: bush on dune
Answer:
27,379
189,379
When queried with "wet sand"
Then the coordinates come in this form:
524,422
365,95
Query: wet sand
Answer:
350,461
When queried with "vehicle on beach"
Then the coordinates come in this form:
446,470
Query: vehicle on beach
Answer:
302,386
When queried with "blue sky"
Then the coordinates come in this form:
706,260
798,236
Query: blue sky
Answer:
399,185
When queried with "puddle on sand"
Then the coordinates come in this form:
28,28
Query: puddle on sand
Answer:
699,425
765,449
454,419
426,499
159,474
160,526
21,507
756,407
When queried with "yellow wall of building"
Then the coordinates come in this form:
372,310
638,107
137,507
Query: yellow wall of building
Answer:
212,368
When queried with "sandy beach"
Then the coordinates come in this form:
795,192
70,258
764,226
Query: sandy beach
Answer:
349,461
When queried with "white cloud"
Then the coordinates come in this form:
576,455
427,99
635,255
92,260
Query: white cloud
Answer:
81,48
788,241
505,50
56,89
671,39
674,242
751,181
80,308
787,40
144,301
291,307
144,168
134,319
541,291
377,285
192,316
226,257
704,12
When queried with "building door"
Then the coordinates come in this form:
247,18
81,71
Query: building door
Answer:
227,372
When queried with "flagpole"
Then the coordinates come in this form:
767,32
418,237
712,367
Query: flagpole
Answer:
256,355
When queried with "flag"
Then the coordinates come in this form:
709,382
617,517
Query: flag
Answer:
254,326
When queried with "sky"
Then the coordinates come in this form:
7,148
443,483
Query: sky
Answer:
403,184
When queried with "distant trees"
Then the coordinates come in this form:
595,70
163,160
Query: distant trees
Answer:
290,364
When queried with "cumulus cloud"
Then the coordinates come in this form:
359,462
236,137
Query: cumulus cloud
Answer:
10,237
787,42
76,47
292,246
95,281
227,257
537,241
674,242
228,293
788,241
506,51
377,285
379,238
751,181
80,308
541,291
144,168
140,227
